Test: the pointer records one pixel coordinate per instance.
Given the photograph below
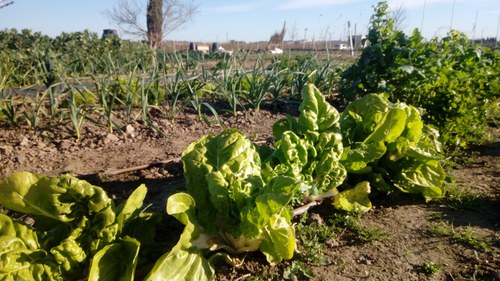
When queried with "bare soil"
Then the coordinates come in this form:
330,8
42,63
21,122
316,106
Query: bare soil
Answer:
406,247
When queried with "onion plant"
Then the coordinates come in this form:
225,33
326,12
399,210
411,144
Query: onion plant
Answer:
34,108
256,84
107,100
10,108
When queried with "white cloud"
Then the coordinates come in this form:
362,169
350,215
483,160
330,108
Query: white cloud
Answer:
297,4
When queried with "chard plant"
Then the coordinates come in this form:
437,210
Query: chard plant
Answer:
389,145
93,239
373,143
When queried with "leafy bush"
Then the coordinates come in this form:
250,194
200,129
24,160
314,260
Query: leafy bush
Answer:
451,78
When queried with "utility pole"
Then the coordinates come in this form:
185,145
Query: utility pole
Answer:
422,21
351,47
474,29
498,28
452,14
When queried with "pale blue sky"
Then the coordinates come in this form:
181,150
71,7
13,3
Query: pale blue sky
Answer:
254,20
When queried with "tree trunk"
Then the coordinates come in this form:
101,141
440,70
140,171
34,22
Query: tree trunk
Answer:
155,22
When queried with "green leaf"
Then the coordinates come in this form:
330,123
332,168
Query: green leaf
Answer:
414,125
361,117
131,207
57,198
426,178
389,128
116,261
214,163
354,199
356,160
271,201
279,240
185,261
316,114
181,265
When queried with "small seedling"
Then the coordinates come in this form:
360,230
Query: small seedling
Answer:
312,237
462,200
363,233
467,236
431,267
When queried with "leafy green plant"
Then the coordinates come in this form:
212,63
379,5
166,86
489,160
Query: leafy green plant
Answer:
389,145
255,85
228,206
431,267
372,143
465,236
453,80
223,175
308,148
78,228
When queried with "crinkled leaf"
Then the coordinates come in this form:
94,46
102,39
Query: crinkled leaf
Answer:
361,117
58,198
328,173
285,124
278,239
426,178
181,265
414,125
228,160
389,128
20,255
272,201
70,255
316,114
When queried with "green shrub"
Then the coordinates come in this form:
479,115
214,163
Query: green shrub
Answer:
454,81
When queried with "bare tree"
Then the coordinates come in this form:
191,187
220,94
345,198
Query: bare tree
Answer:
4,4
152,21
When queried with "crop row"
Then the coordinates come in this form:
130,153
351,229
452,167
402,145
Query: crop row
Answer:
238,82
